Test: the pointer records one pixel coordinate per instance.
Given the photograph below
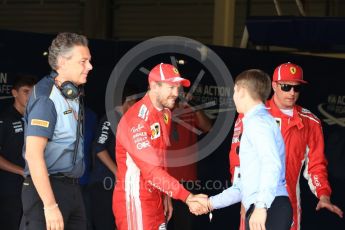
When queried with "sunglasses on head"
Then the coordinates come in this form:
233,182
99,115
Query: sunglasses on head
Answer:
288,87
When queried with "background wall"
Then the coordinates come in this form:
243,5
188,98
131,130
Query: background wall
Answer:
142,19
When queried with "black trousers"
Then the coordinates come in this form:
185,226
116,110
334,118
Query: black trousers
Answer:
279,215
69,198
101,207
10,211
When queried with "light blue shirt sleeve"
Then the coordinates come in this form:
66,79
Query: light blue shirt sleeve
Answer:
262,157
262,135
226,198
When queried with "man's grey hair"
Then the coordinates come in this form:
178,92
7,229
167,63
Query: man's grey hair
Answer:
62,45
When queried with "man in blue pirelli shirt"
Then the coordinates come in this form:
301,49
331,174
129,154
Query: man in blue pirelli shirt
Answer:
53,140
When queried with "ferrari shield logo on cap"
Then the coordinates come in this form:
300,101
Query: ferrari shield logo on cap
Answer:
175,70
293,70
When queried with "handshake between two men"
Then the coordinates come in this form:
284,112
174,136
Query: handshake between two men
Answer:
198,204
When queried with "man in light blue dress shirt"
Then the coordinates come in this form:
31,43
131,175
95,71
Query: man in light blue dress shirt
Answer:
261,183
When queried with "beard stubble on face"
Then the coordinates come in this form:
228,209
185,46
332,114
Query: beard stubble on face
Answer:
169,102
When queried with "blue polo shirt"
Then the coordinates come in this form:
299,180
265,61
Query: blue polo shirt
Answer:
48,114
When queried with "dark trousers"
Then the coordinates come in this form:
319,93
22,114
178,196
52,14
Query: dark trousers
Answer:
10,211
85,191
67,195
279,215
101,207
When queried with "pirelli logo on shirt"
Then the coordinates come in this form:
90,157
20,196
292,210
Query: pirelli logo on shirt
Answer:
38,122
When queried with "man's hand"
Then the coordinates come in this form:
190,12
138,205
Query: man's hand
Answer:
257,220
197,204
7,165
54,220
201,199
325,202
168,208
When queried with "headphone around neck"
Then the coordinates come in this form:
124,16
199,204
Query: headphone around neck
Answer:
71,91
68,89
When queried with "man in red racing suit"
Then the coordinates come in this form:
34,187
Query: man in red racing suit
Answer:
304,142
141,141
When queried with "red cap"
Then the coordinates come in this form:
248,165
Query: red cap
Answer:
288,72
167,73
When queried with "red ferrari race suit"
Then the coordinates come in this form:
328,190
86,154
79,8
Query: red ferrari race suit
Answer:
141,140
304,144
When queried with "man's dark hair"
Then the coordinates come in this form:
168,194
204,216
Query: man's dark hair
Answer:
24,80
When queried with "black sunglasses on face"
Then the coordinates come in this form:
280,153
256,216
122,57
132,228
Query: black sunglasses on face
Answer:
287,87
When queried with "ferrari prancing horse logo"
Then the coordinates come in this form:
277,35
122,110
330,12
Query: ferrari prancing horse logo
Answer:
165,118
293,70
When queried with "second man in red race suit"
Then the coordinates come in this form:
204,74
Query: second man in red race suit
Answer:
143,185
303,137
